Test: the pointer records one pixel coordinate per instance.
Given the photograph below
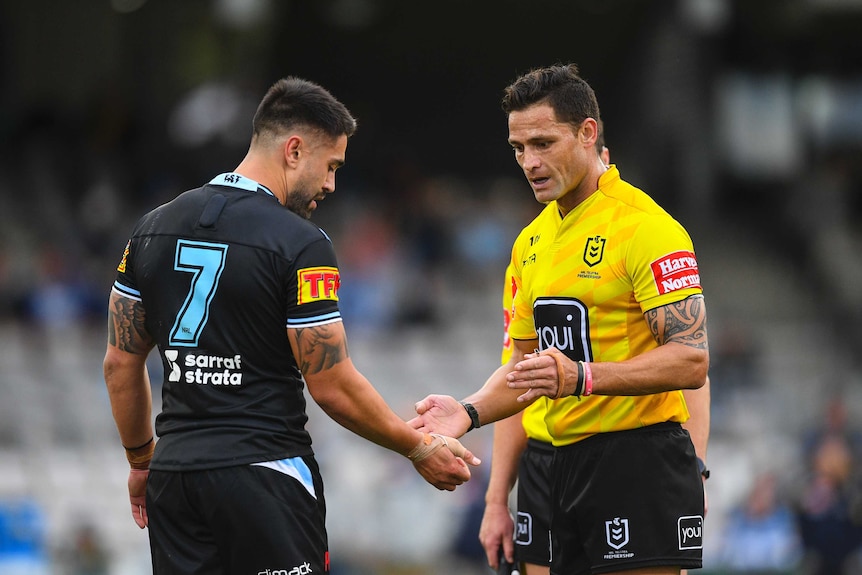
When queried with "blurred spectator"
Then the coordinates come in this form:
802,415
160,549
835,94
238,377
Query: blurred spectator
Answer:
735,358
835,423
830,512
86,555
426,228
760,536
369,272
60,298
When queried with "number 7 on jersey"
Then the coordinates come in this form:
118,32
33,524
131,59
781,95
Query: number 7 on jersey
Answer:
205,261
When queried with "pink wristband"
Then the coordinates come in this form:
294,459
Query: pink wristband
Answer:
588,379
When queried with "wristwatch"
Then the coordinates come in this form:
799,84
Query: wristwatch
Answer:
701,466
474,415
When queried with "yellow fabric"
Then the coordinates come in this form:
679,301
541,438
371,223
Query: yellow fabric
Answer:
615,256
534,414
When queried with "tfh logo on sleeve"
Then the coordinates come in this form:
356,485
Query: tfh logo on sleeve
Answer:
317,284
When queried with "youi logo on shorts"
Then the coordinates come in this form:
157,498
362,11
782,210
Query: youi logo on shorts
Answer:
524,529
303,569
690,532
563,323
203,369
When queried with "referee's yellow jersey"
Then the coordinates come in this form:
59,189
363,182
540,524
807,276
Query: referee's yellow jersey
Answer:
582,284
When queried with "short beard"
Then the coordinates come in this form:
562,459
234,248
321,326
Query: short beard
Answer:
298,205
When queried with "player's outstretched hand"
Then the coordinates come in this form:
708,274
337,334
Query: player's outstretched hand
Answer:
441,414
447,468
137,495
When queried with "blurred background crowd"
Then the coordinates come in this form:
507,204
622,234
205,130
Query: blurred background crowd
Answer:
743,119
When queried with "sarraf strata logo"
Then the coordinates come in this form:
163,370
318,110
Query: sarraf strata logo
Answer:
203,369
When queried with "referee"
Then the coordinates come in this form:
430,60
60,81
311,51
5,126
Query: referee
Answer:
608,328
241,297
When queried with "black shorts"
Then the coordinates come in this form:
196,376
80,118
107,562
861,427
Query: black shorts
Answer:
533,523
627,500
244,519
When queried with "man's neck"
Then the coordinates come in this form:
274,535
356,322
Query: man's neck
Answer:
262,172
585,189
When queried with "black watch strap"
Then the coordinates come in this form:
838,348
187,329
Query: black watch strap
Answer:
474,415
701,467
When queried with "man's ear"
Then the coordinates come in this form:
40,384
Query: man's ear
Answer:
293,148
589,132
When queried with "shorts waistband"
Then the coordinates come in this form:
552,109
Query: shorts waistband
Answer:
540,445
610,435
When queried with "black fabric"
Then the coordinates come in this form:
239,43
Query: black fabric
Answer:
245,519
533,519
232,392
627,500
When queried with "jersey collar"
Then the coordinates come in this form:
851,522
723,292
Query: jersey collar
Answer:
234,180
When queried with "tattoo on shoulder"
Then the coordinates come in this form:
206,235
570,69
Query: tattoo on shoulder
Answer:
681,322
126,327
320,348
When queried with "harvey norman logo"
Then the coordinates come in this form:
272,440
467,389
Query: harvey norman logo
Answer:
204,369
675,271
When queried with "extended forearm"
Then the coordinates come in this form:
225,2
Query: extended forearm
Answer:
495,401
351,401
130,395
698,402
668,367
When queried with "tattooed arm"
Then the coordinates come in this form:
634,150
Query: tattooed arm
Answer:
129,391
125,370
680,361
343,392
350,399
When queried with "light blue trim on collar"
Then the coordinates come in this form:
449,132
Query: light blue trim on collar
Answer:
235,180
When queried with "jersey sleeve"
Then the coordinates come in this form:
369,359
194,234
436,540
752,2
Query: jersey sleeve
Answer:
521,324
662,263
509,290
125,283
312,286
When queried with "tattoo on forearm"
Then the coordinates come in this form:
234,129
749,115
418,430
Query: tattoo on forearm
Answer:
320,348
126,328
681,322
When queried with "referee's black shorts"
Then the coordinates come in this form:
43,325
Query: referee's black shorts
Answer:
627,500
261,518
533,523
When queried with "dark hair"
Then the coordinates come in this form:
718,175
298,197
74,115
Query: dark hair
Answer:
600,137
571,97
293,102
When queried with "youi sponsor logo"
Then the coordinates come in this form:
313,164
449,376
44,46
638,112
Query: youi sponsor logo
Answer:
690,532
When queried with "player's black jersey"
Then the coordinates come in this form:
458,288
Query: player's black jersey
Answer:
221,271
